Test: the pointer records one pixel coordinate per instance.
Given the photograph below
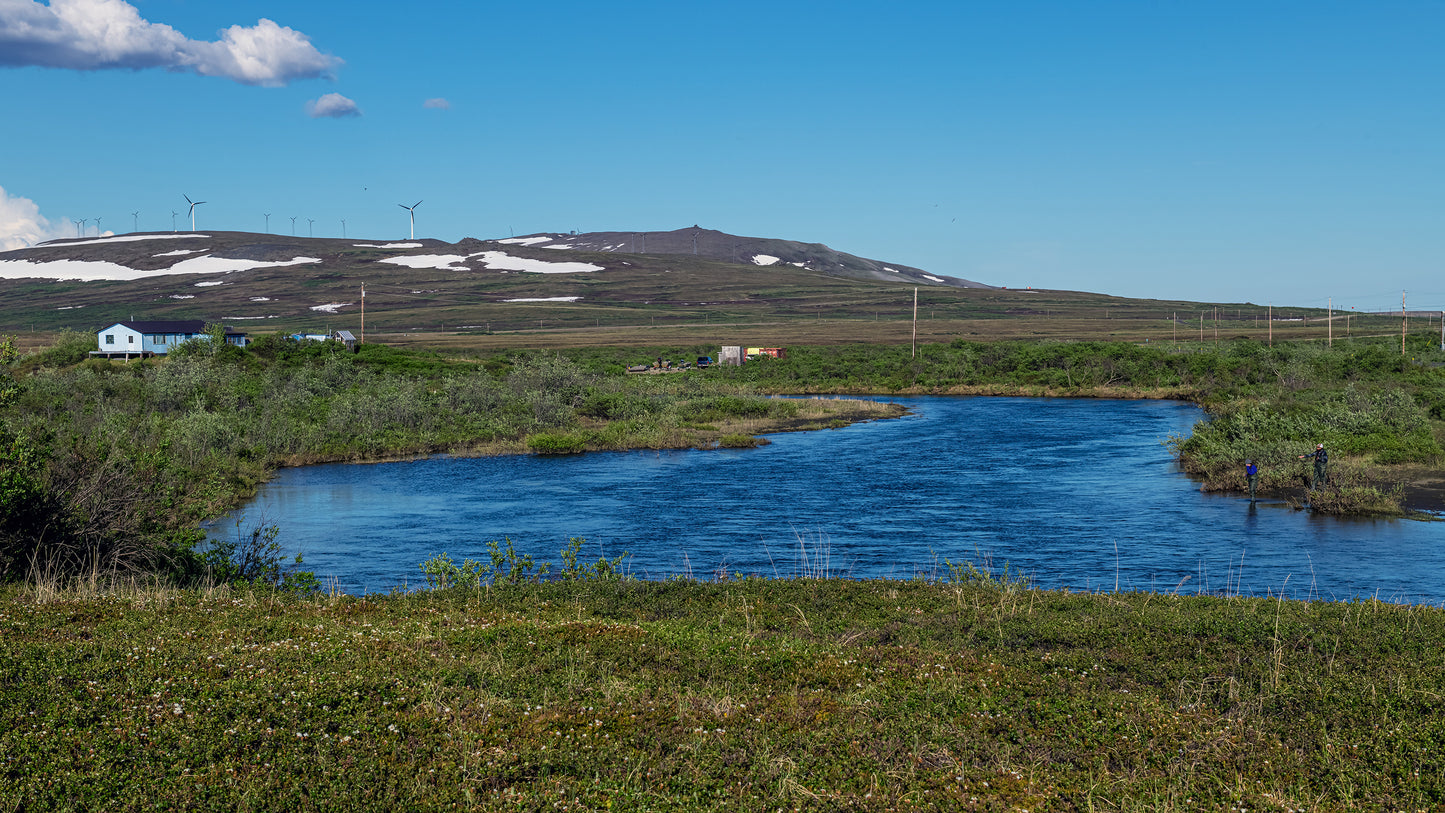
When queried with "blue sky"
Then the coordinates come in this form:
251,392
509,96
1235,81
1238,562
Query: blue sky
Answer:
1273,152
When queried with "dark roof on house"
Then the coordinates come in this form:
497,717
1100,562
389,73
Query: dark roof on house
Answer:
345,336
182,326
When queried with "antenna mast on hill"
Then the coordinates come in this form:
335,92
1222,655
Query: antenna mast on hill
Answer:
412,210
194,204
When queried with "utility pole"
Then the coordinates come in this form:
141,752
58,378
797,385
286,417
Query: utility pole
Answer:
1404,322
363,313
1330,322
1271,324
915,323
1201,327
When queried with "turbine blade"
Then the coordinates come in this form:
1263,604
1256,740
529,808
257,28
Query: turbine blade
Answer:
414,205
187,197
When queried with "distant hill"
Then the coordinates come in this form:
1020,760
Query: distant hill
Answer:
270,281
136,256
760,251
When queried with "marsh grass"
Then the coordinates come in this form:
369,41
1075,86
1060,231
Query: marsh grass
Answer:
751,694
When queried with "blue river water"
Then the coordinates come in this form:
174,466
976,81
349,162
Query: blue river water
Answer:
1077,494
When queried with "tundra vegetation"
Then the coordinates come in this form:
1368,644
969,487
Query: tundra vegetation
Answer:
220,679
959,691
111,466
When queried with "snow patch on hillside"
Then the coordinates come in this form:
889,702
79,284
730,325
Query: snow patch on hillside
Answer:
935,279
93,270
445,262
331,307
501,261
525,241
545,299
386,245
82,270
225,265
764,259
180,252
128,238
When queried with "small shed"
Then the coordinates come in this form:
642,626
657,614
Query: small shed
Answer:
731,354
345,337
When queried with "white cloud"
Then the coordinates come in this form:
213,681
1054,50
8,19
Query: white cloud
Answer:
437,104
332,106
21,223
89,35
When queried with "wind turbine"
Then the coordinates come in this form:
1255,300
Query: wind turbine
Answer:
293,227
343,228
268,222
194,204
173,219
310,227
78,224
135,221
97,227
412,210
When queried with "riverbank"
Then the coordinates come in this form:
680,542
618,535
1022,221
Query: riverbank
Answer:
116,464
809,414
967,693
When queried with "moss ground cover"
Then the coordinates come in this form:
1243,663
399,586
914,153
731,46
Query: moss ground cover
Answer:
737,695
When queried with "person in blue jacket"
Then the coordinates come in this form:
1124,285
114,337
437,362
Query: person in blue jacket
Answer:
1251,475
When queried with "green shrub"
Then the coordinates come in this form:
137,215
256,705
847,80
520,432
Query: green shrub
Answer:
549,443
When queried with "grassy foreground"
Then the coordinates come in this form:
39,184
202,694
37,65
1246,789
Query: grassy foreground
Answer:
751,694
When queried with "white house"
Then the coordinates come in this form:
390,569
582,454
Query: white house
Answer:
139,339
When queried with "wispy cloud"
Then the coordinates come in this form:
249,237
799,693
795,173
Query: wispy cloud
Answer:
22,225
90,35
437,104
332,106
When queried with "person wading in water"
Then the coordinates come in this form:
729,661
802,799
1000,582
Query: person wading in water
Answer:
1322,464
1251,475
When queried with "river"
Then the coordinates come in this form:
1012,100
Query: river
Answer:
1077,494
